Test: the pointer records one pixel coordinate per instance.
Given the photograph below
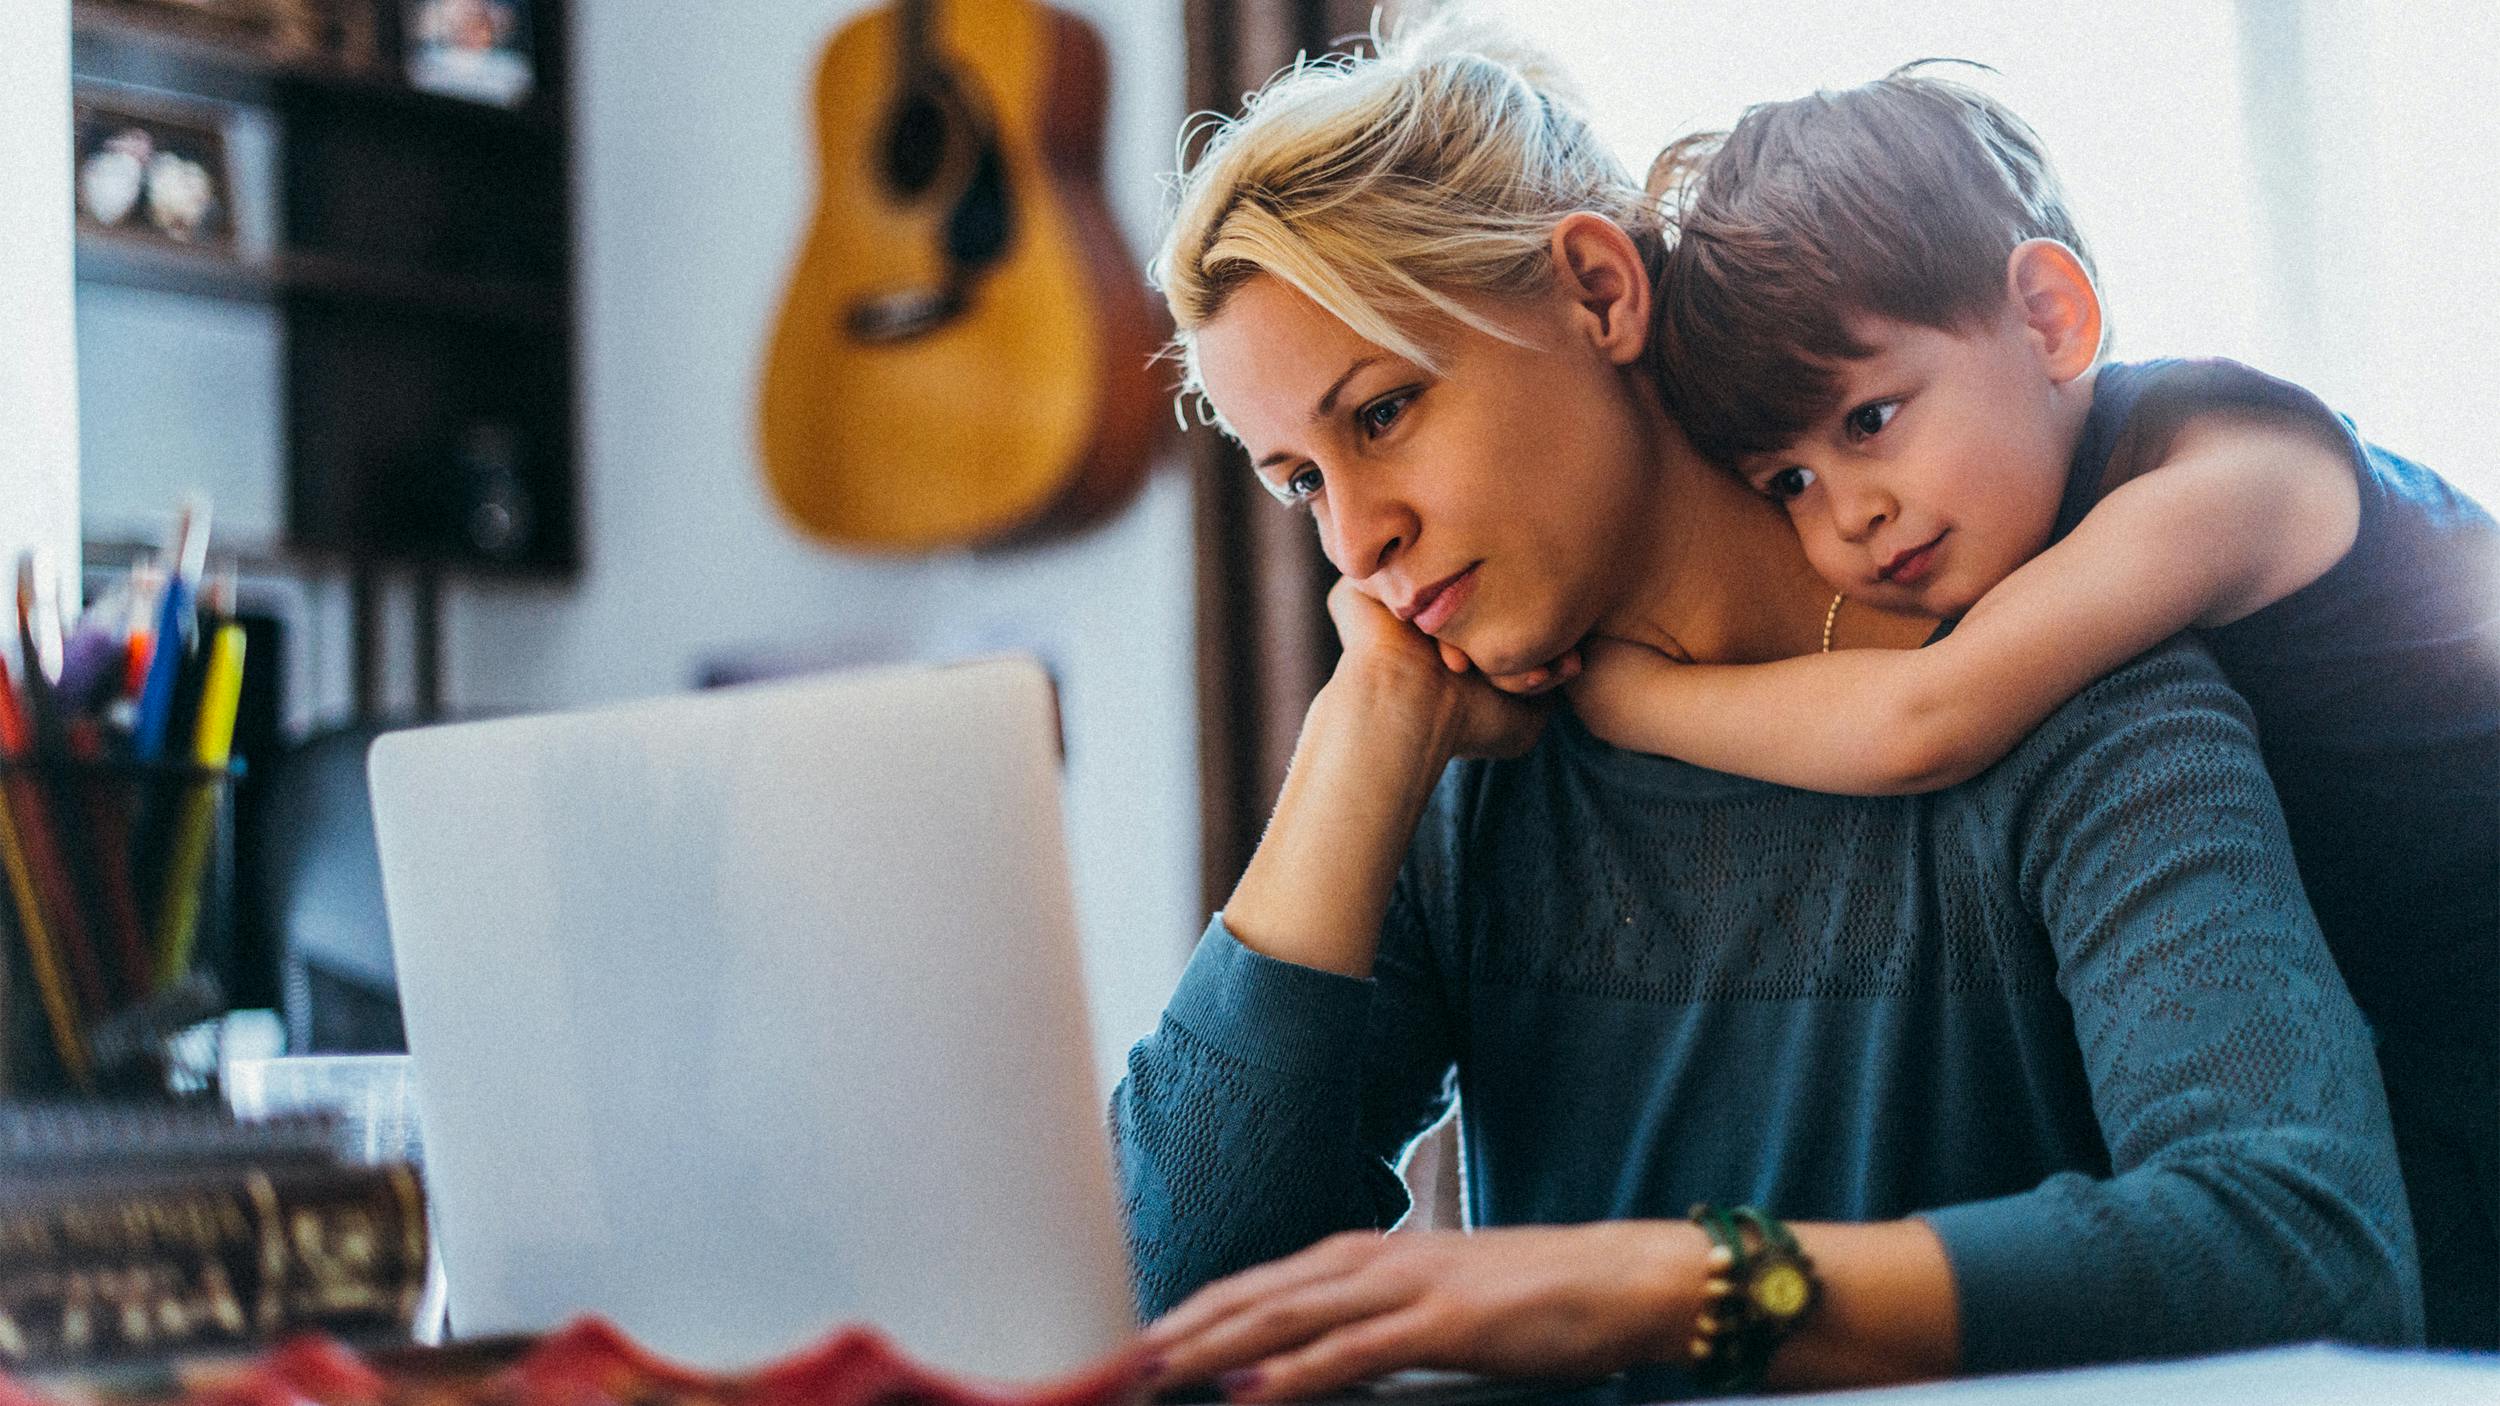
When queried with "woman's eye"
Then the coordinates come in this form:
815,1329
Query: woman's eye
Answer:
1304,486
1867,421
1377,417
1788,483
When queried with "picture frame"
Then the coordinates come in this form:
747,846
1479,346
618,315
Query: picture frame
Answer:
480,50
152,169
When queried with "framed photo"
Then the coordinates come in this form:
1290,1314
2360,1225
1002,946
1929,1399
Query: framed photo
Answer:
476,49
151,169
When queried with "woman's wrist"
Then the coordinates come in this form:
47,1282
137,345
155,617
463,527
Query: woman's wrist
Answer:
1372,746
1887,1313
1407,711
1665,1292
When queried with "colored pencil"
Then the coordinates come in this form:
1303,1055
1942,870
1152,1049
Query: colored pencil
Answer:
212,749
51,984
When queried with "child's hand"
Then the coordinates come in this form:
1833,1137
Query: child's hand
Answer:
1544,678
1618,684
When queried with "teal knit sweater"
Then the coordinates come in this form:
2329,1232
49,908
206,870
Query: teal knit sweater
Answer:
2074,1013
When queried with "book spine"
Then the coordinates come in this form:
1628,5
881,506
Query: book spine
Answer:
244,1257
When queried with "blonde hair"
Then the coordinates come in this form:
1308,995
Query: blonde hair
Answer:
1385,188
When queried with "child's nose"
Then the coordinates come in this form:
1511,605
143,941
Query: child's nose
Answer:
1861,508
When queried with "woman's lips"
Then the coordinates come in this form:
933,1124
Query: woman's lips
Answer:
1909,568
1445,601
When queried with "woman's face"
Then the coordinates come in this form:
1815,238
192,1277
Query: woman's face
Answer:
1496,505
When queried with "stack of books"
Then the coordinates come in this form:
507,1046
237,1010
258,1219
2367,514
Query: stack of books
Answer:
160,1230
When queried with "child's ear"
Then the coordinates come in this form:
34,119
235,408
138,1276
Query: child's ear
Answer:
1599,272
2060,308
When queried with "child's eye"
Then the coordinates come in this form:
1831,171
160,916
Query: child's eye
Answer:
1787,483
1868,420
1376,418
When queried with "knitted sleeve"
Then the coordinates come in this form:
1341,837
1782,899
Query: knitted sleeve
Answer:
2253,1194
1269,1107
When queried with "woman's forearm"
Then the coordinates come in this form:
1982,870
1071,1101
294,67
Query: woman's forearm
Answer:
1371,749
1552,1301
1888,1312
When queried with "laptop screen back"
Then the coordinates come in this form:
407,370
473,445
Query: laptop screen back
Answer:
742,1014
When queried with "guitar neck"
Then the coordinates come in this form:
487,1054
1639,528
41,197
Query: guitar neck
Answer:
915,21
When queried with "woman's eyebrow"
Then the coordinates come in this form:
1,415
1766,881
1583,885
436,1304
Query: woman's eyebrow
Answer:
1327,405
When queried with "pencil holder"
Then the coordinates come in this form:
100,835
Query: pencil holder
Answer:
118,875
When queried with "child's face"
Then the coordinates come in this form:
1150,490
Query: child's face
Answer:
1939,472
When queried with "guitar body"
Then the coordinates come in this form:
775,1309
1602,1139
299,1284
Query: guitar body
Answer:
963,355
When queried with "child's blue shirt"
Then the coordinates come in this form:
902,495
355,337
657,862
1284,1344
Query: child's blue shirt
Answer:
2376,690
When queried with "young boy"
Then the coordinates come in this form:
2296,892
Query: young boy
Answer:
1879,312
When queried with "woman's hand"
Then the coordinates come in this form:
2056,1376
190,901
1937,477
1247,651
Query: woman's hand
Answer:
1544,678
1563,1301
1474,715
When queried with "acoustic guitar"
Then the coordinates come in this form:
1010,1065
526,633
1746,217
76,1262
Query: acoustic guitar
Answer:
963,356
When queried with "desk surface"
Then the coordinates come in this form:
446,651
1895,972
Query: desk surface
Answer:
2317,1375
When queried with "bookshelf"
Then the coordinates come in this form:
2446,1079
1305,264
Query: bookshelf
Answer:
416,250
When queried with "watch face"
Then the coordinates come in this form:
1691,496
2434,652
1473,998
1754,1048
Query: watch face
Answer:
1780,1290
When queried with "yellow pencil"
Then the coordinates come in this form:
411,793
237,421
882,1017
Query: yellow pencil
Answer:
212,748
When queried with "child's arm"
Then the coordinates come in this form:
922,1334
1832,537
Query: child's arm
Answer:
2241,512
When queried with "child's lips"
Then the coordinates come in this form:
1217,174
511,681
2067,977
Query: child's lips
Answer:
1910,567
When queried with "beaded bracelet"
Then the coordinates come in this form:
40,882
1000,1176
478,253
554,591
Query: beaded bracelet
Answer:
1758,1293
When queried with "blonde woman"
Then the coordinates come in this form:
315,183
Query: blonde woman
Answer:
2047,1068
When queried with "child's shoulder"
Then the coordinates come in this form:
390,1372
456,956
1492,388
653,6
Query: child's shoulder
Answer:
2140,409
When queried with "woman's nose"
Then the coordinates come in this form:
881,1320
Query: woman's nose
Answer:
1362,533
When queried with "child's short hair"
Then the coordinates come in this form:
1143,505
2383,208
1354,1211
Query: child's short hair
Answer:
1899,198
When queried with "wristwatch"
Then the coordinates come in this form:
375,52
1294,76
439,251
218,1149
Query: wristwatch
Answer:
1760,1290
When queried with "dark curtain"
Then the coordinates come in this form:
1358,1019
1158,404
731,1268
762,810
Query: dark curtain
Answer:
1264,642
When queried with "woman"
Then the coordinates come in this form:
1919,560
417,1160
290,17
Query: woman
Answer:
2045,1069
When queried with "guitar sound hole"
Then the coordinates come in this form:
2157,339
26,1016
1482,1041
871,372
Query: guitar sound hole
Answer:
915,144
983,222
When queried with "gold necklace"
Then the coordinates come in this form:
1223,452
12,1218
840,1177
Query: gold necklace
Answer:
1830,617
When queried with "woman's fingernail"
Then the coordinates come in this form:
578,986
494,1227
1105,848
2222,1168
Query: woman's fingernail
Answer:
1240,1381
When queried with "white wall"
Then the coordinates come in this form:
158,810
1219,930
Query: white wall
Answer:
38,372
695,168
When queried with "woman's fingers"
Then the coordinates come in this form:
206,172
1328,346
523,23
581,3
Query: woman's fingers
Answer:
1544,678
1408,1336
1284,1325
1330,1258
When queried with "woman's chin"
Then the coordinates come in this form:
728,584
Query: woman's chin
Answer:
1501,658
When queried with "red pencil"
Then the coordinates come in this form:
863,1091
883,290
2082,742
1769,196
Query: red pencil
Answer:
43,855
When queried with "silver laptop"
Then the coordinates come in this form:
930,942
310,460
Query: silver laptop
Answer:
740,1015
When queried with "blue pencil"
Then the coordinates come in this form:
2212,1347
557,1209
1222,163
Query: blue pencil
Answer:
183,565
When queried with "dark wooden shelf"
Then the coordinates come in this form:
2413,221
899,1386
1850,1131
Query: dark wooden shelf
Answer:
421,280
136,261
537,117
133,261
112,45
507,301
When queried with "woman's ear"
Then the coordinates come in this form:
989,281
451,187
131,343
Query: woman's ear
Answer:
1604,283
2060,308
